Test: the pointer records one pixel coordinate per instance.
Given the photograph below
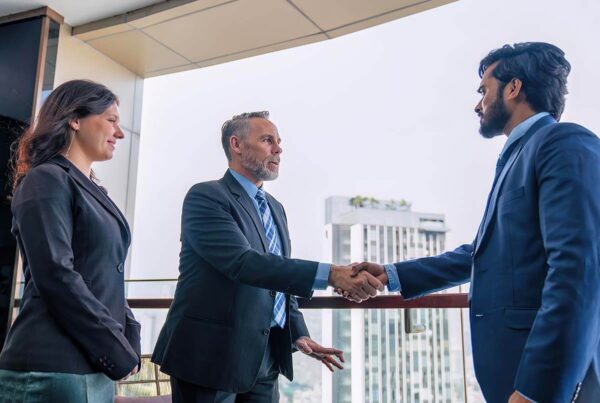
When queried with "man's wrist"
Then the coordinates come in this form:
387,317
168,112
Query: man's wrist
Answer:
333,272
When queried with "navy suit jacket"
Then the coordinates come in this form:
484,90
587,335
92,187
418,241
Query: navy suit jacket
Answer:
218,326
73,239
535,272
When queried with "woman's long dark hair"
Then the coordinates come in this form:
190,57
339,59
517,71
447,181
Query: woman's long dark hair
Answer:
51,133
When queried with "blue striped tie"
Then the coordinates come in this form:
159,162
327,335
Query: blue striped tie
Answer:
275,249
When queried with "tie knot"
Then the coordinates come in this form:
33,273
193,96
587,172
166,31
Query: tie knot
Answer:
260,195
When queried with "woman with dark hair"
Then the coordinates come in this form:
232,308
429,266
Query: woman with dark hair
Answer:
75,332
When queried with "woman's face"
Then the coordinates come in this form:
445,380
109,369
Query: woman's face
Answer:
97,135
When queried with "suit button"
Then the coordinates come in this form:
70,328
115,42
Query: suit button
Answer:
120,268
266,332
272,293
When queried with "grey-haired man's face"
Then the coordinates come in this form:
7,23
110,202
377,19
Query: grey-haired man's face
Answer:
261,150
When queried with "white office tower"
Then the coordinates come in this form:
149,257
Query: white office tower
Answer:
388,362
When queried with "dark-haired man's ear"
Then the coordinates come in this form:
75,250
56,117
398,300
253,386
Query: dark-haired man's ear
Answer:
514,89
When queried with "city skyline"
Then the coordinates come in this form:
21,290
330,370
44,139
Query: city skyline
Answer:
390,362
368,113
384,113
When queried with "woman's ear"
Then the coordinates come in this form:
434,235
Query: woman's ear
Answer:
74,124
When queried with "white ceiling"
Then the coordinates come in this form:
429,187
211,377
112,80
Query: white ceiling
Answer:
77,12
177,35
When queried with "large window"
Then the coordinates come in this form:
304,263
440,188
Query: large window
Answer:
385,114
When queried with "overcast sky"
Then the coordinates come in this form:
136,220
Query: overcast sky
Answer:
386,112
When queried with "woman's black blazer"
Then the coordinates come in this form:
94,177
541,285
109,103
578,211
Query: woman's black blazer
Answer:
73,240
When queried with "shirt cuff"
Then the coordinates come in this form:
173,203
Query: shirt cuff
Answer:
322,277
393,280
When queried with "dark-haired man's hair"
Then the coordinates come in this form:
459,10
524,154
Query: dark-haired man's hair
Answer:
541,67
238,126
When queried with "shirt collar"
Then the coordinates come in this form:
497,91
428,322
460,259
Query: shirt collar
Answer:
521,129
250,188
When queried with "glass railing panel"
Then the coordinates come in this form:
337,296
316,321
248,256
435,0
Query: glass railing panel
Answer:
473,391
392,355
150,288
309,373
152,321
384,363
149,381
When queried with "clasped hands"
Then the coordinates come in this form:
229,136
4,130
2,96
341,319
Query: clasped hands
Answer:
358,281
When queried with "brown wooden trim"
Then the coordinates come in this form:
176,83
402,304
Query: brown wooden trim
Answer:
38,12
382,302
150,303
456,300
54,16
14,302
41,66
388,302
45,13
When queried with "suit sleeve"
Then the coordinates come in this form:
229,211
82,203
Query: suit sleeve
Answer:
429,274
45,223
132,331
297,325
209,228
566,331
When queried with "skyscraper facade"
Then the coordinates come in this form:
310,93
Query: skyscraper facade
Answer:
394,355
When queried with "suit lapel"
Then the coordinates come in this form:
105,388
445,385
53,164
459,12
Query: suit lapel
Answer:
248,205
490,211
494,197
119,213
95,191
277,214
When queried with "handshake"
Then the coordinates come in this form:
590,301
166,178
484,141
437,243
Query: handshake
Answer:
358,281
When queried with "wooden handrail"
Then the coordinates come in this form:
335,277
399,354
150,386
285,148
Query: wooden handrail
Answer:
455,300
380,302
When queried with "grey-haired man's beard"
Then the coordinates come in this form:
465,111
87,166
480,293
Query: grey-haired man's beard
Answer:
495,119
259,168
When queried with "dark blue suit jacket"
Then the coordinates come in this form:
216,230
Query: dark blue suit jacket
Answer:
535,286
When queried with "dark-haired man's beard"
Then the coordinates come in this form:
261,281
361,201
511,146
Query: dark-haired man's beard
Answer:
494,120
260,169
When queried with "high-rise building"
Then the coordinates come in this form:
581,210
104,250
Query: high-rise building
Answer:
394,355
